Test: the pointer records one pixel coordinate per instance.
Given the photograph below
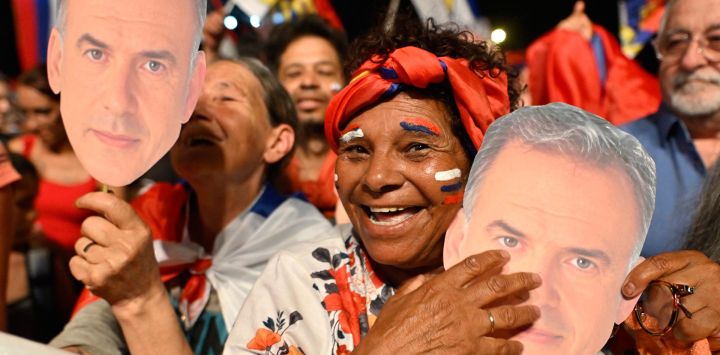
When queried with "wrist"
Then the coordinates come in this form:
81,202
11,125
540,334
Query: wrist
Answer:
140,306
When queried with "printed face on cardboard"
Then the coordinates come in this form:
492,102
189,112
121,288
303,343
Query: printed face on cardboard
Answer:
574,223
129,75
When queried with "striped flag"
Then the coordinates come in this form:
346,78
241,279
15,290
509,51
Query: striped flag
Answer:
639,21
33,21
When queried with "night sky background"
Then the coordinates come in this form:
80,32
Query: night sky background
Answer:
523,20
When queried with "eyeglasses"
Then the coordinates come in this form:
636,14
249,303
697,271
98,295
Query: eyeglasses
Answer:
673,46
657,309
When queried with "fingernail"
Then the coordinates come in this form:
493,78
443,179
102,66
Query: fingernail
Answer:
537,310
536,278
504,254
629,288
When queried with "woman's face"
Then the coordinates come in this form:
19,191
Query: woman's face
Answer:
41,115
228,130
401,174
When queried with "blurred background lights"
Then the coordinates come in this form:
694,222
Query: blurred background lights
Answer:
230,22
498,35
255,21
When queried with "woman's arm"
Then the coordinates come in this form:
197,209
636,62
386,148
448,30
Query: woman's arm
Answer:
116,261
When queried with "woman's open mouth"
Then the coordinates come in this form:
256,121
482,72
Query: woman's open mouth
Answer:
390,216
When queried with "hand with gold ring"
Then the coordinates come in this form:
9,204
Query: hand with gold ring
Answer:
115,256
491,319
456,311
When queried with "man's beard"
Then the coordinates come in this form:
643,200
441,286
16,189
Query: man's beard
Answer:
692,98
310,131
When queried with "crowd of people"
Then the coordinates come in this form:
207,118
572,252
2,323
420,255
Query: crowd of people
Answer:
390,196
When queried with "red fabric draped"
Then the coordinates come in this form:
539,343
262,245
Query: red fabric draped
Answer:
480,97
563,68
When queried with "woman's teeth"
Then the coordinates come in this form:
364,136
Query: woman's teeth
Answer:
385,209
388,216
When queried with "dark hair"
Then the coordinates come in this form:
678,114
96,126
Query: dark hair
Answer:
704,232
37,79
279,105
23,166
441,40
309,25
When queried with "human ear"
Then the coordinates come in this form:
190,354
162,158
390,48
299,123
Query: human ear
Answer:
195,88
54,61
453,238
279,143
627,305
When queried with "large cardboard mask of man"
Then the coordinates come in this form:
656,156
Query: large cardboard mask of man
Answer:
570,197
129,73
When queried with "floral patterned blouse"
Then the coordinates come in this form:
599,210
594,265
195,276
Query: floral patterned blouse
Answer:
316,299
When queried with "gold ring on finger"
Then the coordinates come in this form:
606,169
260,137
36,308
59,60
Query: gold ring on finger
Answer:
492,321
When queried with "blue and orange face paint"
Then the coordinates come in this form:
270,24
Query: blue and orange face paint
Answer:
420,125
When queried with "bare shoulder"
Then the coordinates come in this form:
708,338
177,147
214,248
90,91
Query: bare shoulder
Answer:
16,145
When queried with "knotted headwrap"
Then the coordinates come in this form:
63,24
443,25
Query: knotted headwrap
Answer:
480,98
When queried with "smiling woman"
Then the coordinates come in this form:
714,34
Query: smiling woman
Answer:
405,129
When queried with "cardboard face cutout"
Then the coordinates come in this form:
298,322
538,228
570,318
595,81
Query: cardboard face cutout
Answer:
571,216
129,75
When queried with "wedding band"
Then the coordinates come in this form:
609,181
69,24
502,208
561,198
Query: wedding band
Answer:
87,247
492,322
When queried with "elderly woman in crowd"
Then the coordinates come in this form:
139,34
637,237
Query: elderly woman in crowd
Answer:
405,130
213,235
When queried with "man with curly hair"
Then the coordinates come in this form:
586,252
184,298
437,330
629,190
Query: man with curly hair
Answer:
307,56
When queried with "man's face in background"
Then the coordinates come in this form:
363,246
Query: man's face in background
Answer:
691,83
311,71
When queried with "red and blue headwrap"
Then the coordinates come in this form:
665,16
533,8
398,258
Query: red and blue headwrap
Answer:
479,96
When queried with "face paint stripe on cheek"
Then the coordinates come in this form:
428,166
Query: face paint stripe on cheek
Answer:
448,175
351,133
453,199
451,188
420,125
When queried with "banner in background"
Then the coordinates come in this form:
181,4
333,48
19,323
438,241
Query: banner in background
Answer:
639,21
33,21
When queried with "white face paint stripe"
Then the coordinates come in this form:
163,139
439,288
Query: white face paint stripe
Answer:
356,133
447,175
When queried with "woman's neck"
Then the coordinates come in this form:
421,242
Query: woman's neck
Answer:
216,204
398,277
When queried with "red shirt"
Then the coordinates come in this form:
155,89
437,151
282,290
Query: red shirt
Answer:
321,192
